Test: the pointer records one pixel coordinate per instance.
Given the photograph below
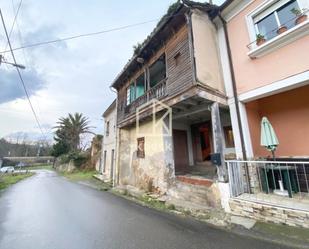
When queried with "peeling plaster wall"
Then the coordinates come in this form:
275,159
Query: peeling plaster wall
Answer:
206,52
154,172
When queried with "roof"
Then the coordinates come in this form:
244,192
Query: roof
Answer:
109,109
151,43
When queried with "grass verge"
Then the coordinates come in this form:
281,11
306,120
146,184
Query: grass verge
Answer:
43,166
79,175
7,180
86,177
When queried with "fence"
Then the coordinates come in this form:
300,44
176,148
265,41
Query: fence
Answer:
285,178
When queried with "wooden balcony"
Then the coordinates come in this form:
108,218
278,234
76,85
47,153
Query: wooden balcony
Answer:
156,92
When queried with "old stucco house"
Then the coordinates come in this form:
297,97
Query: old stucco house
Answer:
108,156
172,110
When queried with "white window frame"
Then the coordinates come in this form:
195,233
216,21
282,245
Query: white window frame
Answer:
264,9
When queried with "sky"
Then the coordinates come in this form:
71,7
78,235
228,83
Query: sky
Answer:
71,76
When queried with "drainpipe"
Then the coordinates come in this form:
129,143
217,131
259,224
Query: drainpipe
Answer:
241,133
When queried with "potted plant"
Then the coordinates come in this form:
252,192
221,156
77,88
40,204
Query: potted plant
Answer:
260,39
300,16
282,29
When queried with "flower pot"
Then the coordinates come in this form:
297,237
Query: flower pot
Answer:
259,42
282,29
301,19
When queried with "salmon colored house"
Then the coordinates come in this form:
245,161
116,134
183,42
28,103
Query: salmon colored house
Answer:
264,50
269,54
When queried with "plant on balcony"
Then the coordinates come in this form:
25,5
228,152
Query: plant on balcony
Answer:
282,29
300,16
260,39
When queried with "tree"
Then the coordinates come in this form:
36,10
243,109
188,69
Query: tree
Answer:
70,129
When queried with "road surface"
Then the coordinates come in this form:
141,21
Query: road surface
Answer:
48,212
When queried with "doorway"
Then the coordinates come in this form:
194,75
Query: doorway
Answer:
180,151
204,133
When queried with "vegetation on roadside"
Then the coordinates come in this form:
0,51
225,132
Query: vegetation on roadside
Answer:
69,147
87,177
68,134
79,175
34,167
9,179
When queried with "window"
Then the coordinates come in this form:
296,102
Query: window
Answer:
140,85
157,71
130,94
140,147
279,14
107,129
229,138
104,162
177,59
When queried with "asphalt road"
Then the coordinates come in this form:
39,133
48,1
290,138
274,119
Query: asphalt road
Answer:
48,212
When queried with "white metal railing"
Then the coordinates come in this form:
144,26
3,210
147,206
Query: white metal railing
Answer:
285,178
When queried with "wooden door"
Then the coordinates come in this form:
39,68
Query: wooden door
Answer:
180,151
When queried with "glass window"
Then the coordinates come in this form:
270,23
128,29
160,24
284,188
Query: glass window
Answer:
107,128
268,26
128,96
157,71
286,16
132,92
275,17
140,85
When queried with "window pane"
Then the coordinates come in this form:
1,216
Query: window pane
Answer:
268,26
157,71
132,92
286,17
128,96
140,86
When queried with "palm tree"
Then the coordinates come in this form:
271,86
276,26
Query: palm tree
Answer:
71,128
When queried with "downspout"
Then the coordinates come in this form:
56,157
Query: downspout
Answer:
242,140
241,133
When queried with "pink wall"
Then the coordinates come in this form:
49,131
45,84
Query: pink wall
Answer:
253,73
288,113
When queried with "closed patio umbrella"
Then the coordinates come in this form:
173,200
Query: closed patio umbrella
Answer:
269,139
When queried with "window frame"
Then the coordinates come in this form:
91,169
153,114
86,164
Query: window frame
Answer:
228,143
148,70
107,128
140,153
265,9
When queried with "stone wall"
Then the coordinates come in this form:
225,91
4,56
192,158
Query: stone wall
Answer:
269,213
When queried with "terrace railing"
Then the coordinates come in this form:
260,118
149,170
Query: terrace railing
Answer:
285,178
156,92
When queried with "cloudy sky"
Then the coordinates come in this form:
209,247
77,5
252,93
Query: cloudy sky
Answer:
71,76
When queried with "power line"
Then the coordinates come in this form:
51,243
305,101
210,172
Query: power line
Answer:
14,21
87,34
19,74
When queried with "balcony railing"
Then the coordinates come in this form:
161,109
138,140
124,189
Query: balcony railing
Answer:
289,178
156,92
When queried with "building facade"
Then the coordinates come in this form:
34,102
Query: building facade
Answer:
108,157
271,78
263,48
172,110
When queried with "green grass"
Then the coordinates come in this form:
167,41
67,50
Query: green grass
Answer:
48,167
79,175
7,180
